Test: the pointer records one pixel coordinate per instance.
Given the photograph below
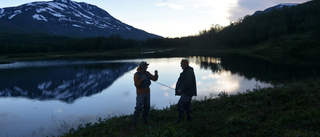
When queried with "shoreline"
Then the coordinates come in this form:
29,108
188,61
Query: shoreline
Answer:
279,58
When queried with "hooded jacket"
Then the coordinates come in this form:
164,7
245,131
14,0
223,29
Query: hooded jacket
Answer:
142,85
187,83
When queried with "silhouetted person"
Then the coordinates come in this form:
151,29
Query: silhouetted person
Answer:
186,88
142,81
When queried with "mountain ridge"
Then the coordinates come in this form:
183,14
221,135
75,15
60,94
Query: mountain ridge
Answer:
66,18
279,6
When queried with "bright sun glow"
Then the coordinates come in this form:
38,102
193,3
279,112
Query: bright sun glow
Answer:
205,13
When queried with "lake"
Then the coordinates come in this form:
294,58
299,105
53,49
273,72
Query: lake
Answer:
48,97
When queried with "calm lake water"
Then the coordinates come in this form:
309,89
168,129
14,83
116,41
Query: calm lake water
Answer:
46,98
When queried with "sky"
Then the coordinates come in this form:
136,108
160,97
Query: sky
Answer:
175,18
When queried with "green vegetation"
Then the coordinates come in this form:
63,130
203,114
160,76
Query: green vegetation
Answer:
288,110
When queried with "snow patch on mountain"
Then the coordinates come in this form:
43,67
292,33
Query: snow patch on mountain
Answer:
42,10
75,25
39,17
1,12
56,5
279,6
15,13
83,15
44,85
31,4
64,1
287,4
21,92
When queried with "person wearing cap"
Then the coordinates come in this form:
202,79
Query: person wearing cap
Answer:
142,81
186,88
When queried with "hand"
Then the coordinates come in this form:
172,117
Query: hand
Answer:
156,72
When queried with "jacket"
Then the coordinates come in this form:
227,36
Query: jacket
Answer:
142,86
187,83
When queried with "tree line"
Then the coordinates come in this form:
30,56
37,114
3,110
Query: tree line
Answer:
40,43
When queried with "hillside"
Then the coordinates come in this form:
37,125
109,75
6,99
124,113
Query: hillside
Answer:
302,20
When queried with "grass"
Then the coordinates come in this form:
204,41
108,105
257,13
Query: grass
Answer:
290,49
291,109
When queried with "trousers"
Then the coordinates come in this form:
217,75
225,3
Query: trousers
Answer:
142,104
184,104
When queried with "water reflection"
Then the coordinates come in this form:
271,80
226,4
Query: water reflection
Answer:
259,69
69,80
210,63
64,82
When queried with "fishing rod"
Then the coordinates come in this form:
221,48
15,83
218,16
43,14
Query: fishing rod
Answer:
153,81
159,83
164,85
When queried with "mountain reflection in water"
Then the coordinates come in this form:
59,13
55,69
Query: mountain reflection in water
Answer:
62,82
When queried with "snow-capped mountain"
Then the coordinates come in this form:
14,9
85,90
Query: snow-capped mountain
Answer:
280,6
66,18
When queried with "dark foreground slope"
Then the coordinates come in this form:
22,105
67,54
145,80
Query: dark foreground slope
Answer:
288,110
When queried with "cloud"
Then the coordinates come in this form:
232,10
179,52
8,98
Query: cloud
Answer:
171,5
196,4
214,10
188,17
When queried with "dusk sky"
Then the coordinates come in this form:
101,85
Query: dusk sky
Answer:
175,18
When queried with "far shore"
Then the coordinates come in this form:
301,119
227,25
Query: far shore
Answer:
130,53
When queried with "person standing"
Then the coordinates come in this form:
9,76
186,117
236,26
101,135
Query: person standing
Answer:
142,81
186,88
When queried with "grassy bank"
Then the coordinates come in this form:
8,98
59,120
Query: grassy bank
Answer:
289,49
288,110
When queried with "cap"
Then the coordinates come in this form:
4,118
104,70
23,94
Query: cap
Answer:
143,64
185,61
